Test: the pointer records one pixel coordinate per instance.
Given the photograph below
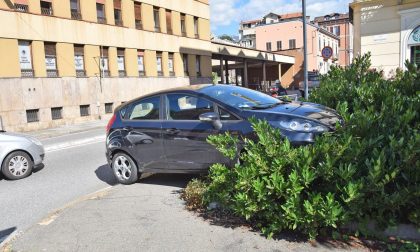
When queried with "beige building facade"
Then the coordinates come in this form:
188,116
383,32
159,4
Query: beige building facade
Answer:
65,61
389,30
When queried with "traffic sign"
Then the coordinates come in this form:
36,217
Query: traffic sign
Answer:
327,52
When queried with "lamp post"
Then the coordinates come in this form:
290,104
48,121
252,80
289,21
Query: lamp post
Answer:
305,51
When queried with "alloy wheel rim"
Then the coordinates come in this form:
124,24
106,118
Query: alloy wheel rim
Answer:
18,166
122,168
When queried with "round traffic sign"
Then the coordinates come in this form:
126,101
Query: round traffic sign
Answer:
327,52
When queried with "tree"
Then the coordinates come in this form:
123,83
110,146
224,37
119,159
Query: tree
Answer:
226,37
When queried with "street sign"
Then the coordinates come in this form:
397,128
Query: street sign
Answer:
327,52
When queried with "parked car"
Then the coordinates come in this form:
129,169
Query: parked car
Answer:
313,83
277,90
19,154
166,132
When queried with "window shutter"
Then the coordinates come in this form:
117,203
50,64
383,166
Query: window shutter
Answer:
120,52
137,11
78,50
117,4
50,49
104,52
100,1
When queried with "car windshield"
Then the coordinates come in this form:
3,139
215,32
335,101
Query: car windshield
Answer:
242,98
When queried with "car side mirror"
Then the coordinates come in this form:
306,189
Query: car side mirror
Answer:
213,118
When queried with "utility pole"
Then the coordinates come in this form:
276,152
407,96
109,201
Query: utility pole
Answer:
305,51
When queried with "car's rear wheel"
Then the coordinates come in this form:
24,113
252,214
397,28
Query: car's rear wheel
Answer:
17,165
125,169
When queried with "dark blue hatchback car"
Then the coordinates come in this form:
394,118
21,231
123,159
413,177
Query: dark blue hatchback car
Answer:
166,132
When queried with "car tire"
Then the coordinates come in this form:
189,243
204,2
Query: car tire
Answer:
17,165
125,169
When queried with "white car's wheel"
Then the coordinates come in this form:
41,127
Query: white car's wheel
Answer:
17,165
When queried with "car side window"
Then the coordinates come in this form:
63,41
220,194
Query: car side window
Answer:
146,109
226,116
187,107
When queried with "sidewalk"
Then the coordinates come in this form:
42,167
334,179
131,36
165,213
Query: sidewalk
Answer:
147,216
68,129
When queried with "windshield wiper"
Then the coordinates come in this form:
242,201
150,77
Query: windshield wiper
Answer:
265,106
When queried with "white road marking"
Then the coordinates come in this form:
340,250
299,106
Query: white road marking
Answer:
76,143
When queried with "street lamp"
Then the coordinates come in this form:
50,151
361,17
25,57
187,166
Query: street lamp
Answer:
305,51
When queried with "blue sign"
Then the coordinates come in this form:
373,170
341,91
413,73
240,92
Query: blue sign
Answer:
327,52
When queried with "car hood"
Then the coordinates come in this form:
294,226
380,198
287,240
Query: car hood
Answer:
311,111
15,136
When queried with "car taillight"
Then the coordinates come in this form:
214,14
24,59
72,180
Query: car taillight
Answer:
109,125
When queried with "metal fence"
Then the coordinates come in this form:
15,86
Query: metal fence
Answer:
21,7
75,14
84,110
57,113
47,11
32,115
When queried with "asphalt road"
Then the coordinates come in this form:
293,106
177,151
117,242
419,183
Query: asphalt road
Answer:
74,166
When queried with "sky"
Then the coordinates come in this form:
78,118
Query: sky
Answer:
227,14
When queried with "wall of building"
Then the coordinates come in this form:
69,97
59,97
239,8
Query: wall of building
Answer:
66,31
380,28
277,32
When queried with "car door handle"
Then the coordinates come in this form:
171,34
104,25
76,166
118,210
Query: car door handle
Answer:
172,131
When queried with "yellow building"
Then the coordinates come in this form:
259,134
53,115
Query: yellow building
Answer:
390,30
64,61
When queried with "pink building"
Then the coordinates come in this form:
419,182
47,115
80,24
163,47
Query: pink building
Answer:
285,36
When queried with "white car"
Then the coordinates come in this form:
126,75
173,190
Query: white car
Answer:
19,154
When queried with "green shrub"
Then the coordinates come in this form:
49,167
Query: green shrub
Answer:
367,170
193,194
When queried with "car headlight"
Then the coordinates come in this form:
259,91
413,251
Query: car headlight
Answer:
302,126
35,141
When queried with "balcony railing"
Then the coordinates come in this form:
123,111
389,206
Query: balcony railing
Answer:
196,35
27,73
169,31
141,73
157,28
21,7
53,73
139,25
75,14
160,73
184,33
80,73
122,73
172,74
118,22
102,20
47,11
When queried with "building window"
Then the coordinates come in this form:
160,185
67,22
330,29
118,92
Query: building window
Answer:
84,110
185,62
121,62
46,8
196,27
32,115
198,65
51,59
183,27
171,64
57,113
278,45
137,15
22,6
268,46
169,21
415,55
140,62
337,30
117,13
75,9
104,62
292,43
100,13
156,19
25,59
79,60
109,108
159,63
319,44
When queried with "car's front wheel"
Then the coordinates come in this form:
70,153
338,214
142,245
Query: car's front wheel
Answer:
125,169
17,165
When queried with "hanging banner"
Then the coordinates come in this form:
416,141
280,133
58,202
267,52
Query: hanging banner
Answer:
25,55
78,62
120,61
50,63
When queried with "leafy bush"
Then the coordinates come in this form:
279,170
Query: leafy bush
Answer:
193,194
367,170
